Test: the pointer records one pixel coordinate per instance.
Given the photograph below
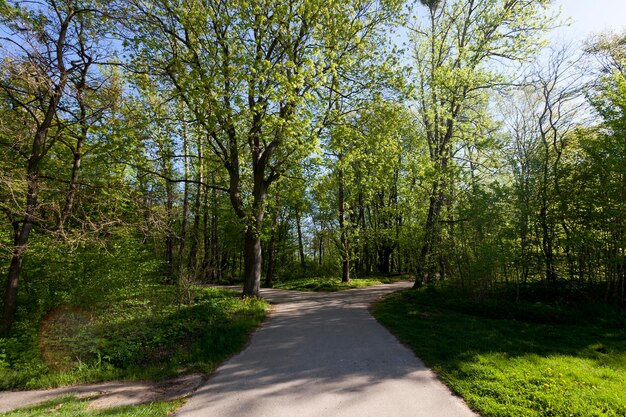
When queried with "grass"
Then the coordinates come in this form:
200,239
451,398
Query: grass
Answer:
70,406
143,332
333,284
508,359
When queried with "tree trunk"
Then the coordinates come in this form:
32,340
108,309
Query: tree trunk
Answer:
183,225
345,249
252,262
22,234
73,188
345,271
10,294
216,253
206,239
81,86
321,248
211,261
195,232
269,276
300,243
524,243
384,257
424,270
547,246
169,238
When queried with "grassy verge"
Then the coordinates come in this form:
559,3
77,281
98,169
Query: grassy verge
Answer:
143,332
70,406
510,359
333,284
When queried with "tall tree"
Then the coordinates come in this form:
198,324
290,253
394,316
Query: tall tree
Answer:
452,47
248,71
560,90
47,54
604,169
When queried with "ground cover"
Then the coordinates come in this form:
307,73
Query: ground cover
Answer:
331,284
516,359
147,331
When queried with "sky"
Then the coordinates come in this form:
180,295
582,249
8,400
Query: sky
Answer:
591,16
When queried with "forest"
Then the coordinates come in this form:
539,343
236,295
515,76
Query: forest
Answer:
257,141
179,143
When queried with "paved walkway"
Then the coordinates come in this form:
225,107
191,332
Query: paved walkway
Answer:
323,355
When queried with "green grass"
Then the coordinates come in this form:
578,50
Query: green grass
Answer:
333,284
70,406
509,359
143,332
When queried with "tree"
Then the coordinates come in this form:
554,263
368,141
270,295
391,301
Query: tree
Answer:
248,72
603,169
560,90
452,48
48,52
523,158
373,165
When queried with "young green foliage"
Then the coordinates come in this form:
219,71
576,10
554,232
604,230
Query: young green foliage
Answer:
249,72
460,49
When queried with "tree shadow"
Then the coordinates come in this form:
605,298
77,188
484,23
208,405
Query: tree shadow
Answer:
324,354
448,335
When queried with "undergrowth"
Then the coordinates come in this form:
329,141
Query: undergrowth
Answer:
94,314
146,334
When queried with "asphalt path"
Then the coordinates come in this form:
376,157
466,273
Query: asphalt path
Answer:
324,355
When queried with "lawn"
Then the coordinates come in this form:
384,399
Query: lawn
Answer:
143,332
516,359
334,284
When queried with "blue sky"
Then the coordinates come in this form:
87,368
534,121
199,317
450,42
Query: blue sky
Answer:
591,16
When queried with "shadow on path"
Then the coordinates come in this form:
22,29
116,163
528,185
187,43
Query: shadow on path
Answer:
322,354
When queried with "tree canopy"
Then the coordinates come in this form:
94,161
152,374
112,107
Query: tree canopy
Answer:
443,139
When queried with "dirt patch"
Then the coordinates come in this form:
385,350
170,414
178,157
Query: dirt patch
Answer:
145,393
109,394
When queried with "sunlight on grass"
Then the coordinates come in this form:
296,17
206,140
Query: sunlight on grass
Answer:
333,284
512,367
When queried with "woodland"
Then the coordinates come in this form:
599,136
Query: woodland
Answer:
148,147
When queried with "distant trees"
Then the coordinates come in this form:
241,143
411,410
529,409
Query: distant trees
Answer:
452,49
603,171
369,174
552,203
